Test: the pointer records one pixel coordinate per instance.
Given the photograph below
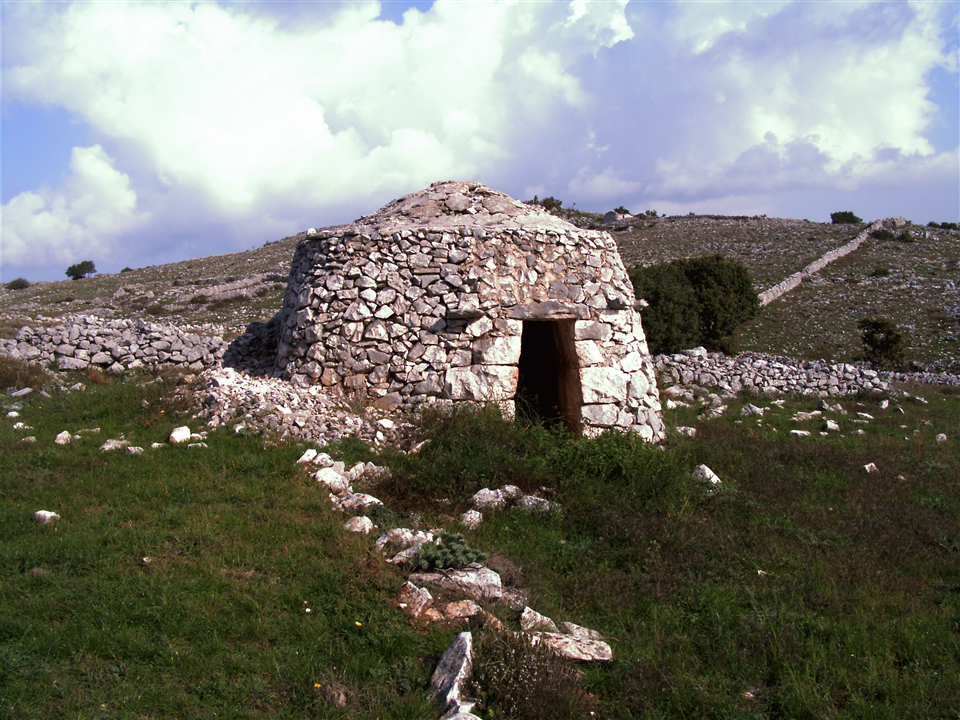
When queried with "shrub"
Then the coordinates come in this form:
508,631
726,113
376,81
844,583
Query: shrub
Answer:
696,301
15,373
844,217
883,342
448,552
81,270
622,211
18,284
883,234
518,679
551,203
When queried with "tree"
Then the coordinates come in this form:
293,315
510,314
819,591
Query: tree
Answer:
844,217
883,343
81,270
697,301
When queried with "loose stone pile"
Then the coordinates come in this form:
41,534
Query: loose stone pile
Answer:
427,299
276,406
113,345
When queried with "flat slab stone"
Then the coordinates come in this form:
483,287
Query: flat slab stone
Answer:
479,583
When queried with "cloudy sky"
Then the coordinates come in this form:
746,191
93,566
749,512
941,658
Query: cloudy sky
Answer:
137,133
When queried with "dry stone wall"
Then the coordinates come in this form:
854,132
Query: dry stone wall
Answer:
426,300
113,345
793,281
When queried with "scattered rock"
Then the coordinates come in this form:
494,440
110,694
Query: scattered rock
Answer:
471,519
111,445
359,524
46,516
871,468
414,600
180,435
453,673
705,474
532,621
63,438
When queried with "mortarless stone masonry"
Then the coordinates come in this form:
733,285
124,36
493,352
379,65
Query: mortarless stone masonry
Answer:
460,293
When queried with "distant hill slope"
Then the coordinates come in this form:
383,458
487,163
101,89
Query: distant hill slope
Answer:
917,284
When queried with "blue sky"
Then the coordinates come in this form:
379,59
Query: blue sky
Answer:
138,133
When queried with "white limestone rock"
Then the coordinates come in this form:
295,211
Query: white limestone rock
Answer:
180,435
705,474
359,524
46,516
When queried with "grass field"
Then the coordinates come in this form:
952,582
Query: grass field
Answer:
177,582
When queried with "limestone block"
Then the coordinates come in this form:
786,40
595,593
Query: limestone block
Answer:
602,384
588,353
592,330
481,382
453,672
600,415
497,351
479,583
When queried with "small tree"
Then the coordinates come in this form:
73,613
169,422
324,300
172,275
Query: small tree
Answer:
81,270
882,342
697,301
622,211
844,217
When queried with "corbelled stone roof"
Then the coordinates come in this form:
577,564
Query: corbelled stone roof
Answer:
446,205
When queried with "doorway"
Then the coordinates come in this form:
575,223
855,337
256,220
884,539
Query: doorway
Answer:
548,386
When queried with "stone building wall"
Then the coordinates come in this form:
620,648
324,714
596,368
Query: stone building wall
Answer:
429,300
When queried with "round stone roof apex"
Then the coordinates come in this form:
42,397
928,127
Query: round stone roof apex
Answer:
460,204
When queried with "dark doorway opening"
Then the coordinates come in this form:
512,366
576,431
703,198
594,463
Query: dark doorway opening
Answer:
549,383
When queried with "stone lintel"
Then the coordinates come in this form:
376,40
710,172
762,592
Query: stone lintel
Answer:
549,310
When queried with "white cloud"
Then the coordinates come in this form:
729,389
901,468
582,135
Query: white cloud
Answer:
816,88
245,109
79,220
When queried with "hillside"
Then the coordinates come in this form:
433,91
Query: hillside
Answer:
917,284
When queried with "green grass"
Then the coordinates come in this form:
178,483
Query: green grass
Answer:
238,544
804,587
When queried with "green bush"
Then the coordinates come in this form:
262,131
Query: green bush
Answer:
844,217
513,678
81,270
447,552
696,301
622,211
883,342
18,284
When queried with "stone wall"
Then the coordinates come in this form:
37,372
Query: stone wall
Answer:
769,374
793,281
113,345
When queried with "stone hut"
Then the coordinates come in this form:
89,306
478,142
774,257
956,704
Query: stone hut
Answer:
460,293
